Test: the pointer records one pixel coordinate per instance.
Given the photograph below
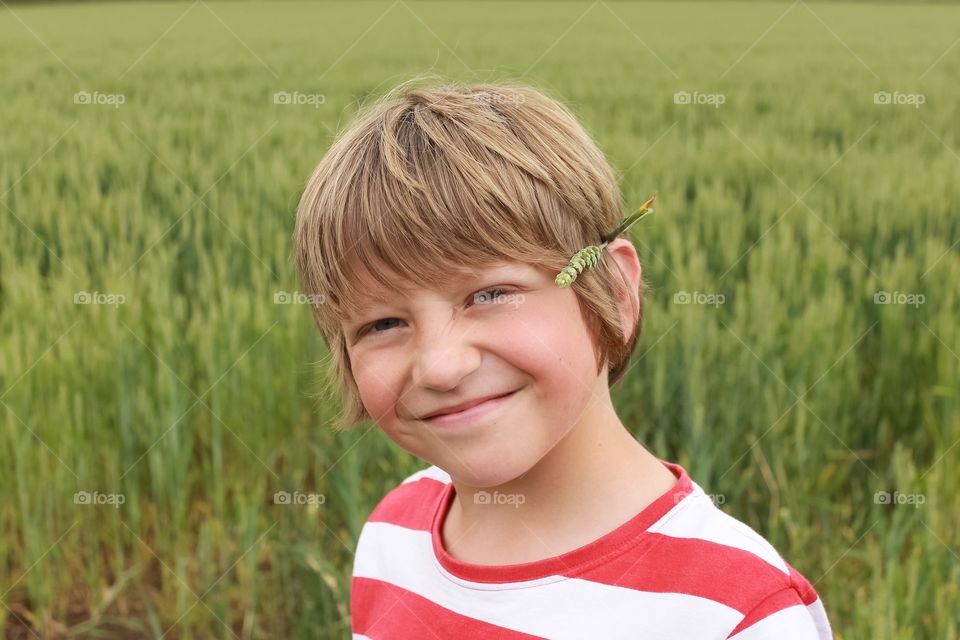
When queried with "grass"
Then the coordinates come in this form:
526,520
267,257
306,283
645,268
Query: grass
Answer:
189,392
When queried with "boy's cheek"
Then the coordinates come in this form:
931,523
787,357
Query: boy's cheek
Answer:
388,410
376,396
552,349
565,370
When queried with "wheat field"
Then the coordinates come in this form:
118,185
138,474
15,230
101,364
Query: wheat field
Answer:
160,373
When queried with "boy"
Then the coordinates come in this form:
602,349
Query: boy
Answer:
434,229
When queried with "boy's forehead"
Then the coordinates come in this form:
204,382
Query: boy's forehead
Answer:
369,291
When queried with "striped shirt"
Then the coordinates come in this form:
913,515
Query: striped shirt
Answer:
680,569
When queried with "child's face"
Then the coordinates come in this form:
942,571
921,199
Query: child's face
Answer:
436,349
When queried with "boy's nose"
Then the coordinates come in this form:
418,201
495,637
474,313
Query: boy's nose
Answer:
444,355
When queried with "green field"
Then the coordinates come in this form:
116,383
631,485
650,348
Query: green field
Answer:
167,198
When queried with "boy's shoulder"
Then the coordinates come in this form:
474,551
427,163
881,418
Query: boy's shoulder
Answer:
726,559
696,518
700,550
413,498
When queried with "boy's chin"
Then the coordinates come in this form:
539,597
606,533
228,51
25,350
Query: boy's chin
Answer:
484,472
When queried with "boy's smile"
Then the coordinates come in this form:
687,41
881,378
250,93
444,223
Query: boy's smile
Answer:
469,412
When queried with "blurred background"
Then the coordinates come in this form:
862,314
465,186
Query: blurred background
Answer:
160,372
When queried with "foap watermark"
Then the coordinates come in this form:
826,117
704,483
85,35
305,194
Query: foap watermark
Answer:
716,498
96,498
897,98
97,98
697,98
298,498
898,498
296,297
495,98
298,98
486,297
699,297
485,497
899,297
99,297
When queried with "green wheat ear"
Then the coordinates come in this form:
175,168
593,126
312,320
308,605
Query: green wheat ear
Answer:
589,256
586,257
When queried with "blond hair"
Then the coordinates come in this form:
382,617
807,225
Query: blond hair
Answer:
426,178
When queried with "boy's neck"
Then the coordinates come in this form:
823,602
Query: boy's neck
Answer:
594,480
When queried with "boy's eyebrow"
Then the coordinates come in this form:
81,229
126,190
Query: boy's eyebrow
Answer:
365,302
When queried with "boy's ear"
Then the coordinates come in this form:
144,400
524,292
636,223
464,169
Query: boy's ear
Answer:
625,256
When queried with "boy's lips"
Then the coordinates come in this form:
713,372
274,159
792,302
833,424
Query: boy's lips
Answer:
462,406
473,413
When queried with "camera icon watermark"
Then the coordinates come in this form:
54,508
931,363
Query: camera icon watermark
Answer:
95,498
487,297
485,497
899,297
494,98
697,98
296,98
96,98
897,498
296,297
699,297
716,498
897,98
298,498
98,297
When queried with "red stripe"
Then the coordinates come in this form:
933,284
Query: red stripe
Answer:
807,593
664,564
411,504
382,610
779,601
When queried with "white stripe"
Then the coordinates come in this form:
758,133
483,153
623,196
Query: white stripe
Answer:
359,636
557,608
792,623
820,619
696,516
434,472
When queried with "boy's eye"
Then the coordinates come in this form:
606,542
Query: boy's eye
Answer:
479,297
488,294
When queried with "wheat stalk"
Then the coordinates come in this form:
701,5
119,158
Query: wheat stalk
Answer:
590,255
